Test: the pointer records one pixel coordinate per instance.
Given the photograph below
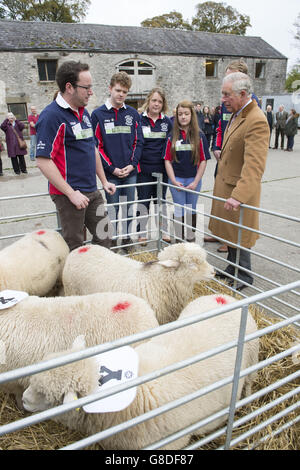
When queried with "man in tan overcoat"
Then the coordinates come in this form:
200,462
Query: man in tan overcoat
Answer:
241,166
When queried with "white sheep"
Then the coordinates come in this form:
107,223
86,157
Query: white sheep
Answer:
34,263
50,388
37,326
167,284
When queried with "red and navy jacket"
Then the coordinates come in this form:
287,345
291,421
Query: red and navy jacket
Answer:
67,138
155,137
119,136
184,168
225,118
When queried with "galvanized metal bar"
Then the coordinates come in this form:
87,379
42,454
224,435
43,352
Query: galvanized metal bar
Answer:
236,376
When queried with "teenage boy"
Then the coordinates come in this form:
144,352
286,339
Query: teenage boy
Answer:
118,132
67,156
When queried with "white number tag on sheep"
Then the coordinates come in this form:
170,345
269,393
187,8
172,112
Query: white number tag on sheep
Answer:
115,367
9,298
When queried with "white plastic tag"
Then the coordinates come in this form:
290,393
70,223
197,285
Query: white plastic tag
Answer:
115,367
9,298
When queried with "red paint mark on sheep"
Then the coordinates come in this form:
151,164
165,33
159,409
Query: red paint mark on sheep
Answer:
221,300
121,306
41,232
83,250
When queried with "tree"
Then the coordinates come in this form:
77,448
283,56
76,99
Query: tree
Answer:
63,11
172,20
217,17
293,79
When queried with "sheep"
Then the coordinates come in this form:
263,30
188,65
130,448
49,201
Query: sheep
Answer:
52,387
34,263
37,326
166,284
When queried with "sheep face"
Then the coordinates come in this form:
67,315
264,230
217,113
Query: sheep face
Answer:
188,256
62,384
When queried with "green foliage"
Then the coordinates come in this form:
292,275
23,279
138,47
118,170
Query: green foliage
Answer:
219,18
62,11
210,16
172,20
293,79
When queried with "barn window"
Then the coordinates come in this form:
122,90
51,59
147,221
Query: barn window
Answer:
47,70
260,70
136,67
19,110
211,68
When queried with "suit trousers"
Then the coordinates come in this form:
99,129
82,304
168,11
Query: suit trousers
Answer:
279,132
73,221
244,262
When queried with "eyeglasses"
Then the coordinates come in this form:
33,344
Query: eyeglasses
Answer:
88,87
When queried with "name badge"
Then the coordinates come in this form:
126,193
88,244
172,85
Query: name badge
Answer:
109,125
9,298
76,129
115,367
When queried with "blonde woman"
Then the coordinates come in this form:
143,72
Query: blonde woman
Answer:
155,126
185,162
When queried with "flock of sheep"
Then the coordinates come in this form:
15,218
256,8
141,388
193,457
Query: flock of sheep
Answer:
106,296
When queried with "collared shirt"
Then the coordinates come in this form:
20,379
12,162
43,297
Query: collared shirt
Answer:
155,135
119,136
66,136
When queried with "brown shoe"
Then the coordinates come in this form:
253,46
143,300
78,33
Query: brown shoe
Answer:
210,239
223,249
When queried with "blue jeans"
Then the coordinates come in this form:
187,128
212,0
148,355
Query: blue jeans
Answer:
121,195
189,200
146,192
32,147
290,142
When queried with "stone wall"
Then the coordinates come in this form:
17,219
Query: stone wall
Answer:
182,77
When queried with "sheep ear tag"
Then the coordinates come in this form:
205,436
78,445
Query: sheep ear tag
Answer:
9,298
115,368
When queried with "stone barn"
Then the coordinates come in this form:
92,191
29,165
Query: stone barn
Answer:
187,64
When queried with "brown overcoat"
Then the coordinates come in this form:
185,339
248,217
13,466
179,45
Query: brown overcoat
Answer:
240,170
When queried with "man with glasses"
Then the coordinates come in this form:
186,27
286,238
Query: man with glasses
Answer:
67,156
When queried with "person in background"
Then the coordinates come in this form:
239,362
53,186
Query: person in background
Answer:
32,120
68,158
1,150
238,180
13,128
185,162
291,129
208,125
216,120
199,115
156,127
120,140
281,117
271,120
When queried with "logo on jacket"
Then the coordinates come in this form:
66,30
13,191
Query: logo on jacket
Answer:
128,120
87,121
164,127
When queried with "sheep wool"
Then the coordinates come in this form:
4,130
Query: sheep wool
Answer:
160,352
166,284
37,326
34,263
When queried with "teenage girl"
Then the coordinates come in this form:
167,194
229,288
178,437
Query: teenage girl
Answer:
185,162
155,126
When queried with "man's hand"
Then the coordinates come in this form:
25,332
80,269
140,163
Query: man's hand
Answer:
110,188
217,154
232,204
79,200
127,170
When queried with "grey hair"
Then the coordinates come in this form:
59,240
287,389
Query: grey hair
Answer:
240,82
